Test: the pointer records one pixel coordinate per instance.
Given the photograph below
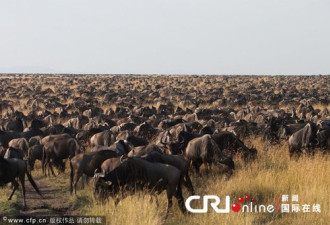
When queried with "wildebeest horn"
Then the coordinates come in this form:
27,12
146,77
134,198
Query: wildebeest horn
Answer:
97,175
123,157
161,141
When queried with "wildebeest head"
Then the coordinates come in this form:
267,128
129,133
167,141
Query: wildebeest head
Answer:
102,189
250,155
175,148
228,161
122,147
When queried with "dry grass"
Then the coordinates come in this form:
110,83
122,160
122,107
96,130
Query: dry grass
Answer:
273,173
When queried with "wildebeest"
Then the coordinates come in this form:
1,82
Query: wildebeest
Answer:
138,174
85,135
87,163
56,151
110,164
177,161
144,150
137,141
178,147
20,143
35,152
304,138
14,153
204,150
16,125
145,130
54,137
36,140
229,142
104,138
6,137
323,137
285,131
10,169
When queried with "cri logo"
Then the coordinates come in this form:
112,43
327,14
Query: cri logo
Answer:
214,203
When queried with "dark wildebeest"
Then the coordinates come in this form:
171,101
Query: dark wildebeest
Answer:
165,124
229,142
304,138
121,147
207,130
35,152
31,133
104,138
20,143
194,126
177,161
145,130
14,153
285,131
127,126
54,137
12,168
56,151
36,140
16,125
138,174
87,163
85,135
323,137
137,141
177,148
6,137
144,150
205,150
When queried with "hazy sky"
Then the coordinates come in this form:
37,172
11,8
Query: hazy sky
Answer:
165,36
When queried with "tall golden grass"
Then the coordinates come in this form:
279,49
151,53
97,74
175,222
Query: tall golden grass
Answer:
272,173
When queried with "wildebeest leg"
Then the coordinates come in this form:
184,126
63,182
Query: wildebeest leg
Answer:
44,167
47,166
169,203
197,164
22,180
15,186
76,178
50,165
179,197
291,151
207,166
84,180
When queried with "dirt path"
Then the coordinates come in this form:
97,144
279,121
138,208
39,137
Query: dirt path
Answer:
54,203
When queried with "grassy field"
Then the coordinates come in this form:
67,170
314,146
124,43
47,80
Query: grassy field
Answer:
272,173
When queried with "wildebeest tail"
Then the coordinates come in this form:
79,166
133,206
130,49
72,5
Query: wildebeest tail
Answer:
33,183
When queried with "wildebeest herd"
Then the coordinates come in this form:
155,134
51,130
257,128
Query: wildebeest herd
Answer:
152,133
